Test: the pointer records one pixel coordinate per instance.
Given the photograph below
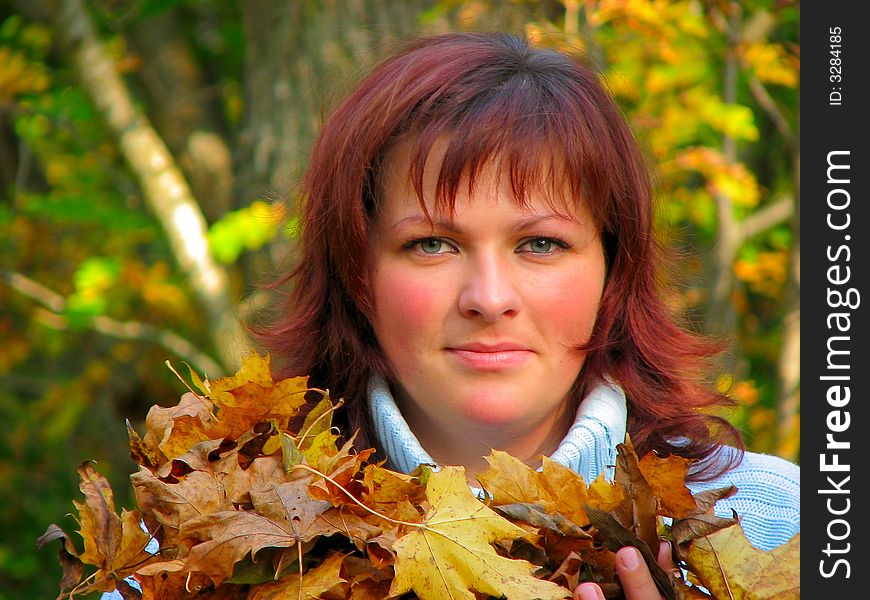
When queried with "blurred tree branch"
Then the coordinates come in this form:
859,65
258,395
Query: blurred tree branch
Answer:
127,330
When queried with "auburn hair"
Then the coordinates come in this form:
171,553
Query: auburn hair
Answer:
543,115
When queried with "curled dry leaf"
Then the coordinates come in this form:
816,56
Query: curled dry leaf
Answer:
236,504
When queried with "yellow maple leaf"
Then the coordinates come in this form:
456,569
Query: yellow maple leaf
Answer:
729,566
555,487
451,554
251,396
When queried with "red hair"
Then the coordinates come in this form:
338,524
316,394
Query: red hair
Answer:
544,116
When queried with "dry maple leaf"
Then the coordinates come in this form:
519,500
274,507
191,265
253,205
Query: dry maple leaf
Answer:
73,569
314,583
638,511
451,554
114,544
729,566
666,477
556,488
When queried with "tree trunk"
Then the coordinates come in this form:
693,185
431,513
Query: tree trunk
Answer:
789,366
301,57
166,192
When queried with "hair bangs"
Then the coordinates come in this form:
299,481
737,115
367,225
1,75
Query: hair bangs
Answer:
536,139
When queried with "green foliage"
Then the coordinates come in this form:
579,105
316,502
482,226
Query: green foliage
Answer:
248,228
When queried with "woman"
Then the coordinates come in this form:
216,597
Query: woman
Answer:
478,270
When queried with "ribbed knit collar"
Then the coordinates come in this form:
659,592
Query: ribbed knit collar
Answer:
588,448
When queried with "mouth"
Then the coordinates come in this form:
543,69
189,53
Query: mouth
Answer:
490,357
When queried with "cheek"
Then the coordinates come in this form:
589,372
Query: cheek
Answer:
406,308
570,309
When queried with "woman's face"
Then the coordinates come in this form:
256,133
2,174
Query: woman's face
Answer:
480,313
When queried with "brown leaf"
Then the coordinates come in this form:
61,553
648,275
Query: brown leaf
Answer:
366,581
702,521
171,431
219,540
140,452
167,506
638,511
730,567
314,583
556,488
568,573
666,477
290,504
114,544
67,555
341,469
161,584
535,514
617,536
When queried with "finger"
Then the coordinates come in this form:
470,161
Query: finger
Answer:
588,591
637,583
665,557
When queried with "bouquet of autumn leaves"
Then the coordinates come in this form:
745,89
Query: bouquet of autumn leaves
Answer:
235,504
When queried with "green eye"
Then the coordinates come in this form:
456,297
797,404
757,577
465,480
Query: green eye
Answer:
541,245
431,245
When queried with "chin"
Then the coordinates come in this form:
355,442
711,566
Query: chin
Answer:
493,411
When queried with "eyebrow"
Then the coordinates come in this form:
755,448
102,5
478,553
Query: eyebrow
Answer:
421,220
535,220
450,226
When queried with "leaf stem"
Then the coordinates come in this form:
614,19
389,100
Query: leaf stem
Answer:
187,385
299,554
339,403
357,502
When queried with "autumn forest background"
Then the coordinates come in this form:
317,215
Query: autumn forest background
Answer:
147,146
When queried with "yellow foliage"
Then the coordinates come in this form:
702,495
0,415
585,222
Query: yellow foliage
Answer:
18,76
771,63
732,180
765,272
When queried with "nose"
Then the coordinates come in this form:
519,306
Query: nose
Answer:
489,290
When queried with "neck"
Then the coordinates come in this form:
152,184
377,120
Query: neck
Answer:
589,447
468,444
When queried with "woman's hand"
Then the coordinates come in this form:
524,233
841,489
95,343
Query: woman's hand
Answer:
636,580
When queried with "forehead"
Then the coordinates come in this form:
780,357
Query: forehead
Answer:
428,177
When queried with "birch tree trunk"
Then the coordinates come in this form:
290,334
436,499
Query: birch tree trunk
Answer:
166,191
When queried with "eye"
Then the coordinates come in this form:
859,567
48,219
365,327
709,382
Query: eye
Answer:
430,245
542,245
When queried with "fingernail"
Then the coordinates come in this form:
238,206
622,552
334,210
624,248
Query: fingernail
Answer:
590,592
630,558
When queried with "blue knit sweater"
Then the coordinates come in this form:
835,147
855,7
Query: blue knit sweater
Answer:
767,501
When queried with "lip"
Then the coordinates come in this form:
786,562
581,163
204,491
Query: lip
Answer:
490,357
